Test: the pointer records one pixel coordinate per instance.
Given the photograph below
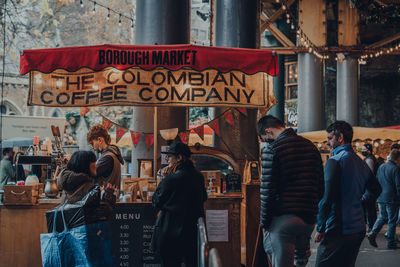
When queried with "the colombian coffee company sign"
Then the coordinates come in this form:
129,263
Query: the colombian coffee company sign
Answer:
175,75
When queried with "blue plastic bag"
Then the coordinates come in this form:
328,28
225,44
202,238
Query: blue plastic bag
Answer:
86,246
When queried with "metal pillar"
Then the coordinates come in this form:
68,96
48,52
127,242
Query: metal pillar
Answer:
347,90
237,25
310,105
158,22
278,110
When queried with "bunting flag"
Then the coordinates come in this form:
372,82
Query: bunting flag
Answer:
184,137
229,117
119,133
106,123
200,131
243,111
135,137
84,110
149,140
215,126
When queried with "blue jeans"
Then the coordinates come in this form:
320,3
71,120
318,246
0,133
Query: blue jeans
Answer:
287,241
388,213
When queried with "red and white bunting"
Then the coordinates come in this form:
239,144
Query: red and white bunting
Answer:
229,117
243,111
84,110
184,137
119,133
200,131
135,137
106,123
214,124
149,140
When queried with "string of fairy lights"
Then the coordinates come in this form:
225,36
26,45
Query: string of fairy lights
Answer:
302,38
110,11
378,52
305,41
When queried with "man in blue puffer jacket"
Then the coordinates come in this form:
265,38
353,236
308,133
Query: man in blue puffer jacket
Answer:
348,179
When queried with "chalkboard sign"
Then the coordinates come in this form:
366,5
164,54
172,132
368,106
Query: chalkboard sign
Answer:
233,182
132,226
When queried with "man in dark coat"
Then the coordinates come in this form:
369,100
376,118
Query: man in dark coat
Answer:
291,186
389,200
180,197
369,206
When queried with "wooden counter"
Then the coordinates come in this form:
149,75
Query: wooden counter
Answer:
21,226
20,229
229,252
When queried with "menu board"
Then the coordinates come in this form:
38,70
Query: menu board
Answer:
132,226
233,182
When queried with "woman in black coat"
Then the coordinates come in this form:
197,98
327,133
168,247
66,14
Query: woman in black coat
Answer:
180,198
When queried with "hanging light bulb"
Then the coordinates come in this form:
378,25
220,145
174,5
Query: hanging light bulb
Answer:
277,1
94,7
287,15
81,2
119,21
108,14
292,26
283,7
310,50
288,21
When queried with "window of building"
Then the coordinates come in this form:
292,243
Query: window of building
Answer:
291,94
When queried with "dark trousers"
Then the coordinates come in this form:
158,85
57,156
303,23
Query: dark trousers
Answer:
339,250
369,208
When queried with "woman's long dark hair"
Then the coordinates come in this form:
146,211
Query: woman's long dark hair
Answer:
80,162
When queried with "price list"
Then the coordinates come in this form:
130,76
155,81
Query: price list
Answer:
132,227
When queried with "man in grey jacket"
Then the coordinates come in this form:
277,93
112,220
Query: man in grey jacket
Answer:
389,200
109,163
292,183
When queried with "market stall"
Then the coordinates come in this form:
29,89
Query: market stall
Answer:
381,138
166,75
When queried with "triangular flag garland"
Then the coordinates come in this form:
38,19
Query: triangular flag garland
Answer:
135,137
106,123
184,136
243,111
200,131
149,140
214,124
119,133
84,111
229,117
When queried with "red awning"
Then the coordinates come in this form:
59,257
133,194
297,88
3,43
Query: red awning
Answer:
172,57
392,127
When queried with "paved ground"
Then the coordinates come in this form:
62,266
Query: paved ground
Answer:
370,256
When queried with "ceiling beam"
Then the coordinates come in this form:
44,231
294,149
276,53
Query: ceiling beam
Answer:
279,35
275,16
384,41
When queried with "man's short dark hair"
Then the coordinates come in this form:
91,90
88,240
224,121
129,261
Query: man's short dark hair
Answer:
7,150
80,161
268,121
369,147
341,127
394,146
394,154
